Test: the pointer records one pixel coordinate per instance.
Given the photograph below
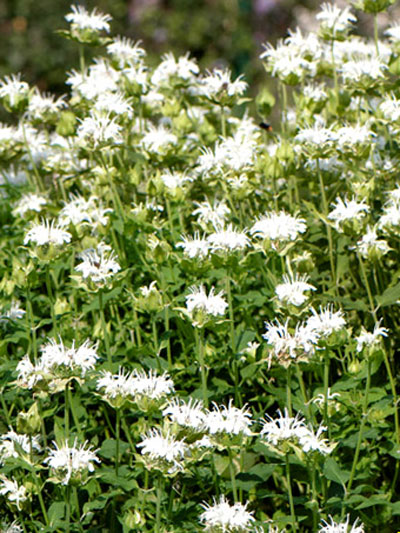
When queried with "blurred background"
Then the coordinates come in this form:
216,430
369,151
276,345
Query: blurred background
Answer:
217,33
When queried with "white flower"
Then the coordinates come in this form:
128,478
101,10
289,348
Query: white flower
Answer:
84,20
228,420
340,527
114,103
150,385
47,233
312,442
99,265
291,291
79,210
42,106
393,33
29,202
278,227
317,135
287,347
165,451
100,77
356,70
14,313
214,214
81,359
14,493
294,429
194,247
135,385
326,321
370,339
218,82
71,462
199,305
12,444
284,428
11,528
227,518
184,68
174,181
349,136
316,93
12,89
125,51
335,19
98,129
158,139
370,244
189,414
228,240
346,210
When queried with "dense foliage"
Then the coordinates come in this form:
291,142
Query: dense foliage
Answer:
199,315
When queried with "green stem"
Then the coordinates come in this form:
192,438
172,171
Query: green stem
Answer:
289,390
51,299
326,390
328,228
66,414
223,121
233,475
290,495
74,413
105,331
117,436
304,394
200,353
68,504
158,504
368,287
376,39
360,434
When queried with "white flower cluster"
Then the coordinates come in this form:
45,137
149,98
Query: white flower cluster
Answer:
71,463
201,307
57,361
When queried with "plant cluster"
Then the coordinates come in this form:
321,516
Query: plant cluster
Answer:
200,316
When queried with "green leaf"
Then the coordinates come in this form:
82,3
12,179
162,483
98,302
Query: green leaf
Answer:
376,499
390,296
333,472
108,449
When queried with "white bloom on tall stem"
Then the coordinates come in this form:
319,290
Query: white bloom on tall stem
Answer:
151,386
229,420
98,129
355,71
347,210
278,227
369,244
13,313
368,339
29,202
114,103
287,347
341,527
277,430
12,444
228,240
348,137
184,68
292,290
326,321
165,452
46,233
98,265
43,106
393,33
12,89
218,82
71,462
212,213
79,210
125,51
84,20
200,306
14,493
158,139
189,414
194,247
226,518
334,20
